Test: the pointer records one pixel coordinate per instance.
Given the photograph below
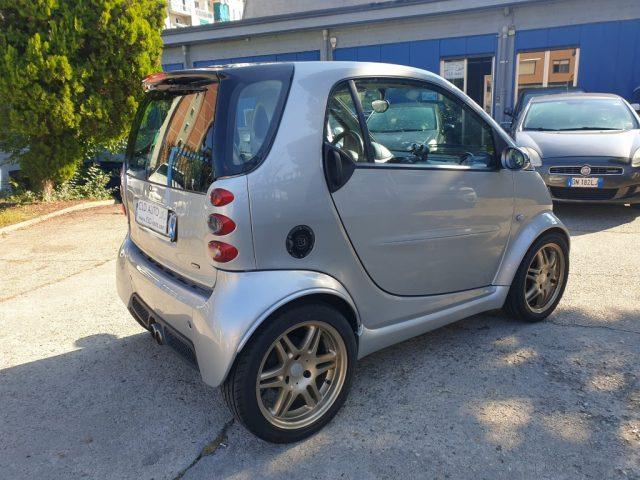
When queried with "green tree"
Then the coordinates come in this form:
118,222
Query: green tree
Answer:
70,78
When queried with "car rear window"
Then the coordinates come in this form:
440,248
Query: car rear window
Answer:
173,142
186,139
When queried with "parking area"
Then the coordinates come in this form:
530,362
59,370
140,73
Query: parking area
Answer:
84,392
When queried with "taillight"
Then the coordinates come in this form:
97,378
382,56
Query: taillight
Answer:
221,225
221,197
222,252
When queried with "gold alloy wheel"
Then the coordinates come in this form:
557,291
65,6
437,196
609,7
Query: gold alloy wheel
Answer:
301,375
544,277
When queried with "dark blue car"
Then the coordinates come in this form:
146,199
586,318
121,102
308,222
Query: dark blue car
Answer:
586,146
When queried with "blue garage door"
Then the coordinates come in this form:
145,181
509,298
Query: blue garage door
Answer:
425,54
170,67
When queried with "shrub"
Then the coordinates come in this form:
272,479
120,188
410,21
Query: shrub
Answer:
70,74
87,183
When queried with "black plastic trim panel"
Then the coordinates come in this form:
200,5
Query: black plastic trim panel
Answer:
145,316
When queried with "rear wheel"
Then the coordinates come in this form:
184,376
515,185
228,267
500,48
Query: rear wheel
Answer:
294,375
540,280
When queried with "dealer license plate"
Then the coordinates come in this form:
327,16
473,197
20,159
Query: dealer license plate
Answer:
585,182
153,216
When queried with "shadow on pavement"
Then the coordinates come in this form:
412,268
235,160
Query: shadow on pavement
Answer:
486,398
582,219
114,408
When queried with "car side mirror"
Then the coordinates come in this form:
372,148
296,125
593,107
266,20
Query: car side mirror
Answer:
381,154
338,167
514,158
380,106
508,112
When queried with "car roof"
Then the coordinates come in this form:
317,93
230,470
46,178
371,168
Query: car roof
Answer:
335,69
573,96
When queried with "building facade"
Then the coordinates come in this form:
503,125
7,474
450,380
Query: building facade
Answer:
188,13
488,48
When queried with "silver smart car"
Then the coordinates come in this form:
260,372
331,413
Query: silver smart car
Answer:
287,219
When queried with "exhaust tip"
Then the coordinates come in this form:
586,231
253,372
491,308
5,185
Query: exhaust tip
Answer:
156,333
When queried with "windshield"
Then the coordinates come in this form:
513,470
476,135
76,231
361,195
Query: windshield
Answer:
579,114
415,118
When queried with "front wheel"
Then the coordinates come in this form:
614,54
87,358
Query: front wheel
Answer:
540,280
294,374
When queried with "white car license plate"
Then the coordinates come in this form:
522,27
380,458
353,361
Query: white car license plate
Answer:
585,182
153,216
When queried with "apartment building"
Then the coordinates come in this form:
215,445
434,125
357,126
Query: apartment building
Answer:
189,13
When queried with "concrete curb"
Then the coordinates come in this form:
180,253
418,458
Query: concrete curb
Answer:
57,213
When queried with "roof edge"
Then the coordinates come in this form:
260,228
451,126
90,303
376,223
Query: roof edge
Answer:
296,16
219,30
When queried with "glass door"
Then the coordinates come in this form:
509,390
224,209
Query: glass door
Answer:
472,75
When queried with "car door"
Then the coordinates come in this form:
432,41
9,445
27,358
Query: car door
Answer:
426,213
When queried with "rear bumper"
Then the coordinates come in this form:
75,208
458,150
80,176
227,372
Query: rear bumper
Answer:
216,323
623,188
143,286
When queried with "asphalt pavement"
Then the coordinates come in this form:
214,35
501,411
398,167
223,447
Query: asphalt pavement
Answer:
86,393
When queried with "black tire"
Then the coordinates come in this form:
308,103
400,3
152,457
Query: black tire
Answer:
239,388
516,305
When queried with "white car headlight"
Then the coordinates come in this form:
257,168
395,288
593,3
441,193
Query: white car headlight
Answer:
635,160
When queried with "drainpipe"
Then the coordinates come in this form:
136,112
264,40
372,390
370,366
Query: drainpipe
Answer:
505,57
186,57
505,68
326,53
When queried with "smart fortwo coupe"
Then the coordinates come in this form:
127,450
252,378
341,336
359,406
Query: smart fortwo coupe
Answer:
288,219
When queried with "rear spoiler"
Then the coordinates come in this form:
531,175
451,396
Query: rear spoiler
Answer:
181,80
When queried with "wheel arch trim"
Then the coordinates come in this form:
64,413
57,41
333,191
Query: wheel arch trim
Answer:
231,321
292,298
522,240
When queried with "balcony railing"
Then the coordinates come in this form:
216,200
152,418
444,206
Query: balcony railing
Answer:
204,13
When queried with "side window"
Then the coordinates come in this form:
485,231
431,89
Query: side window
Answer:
414,124
255,111
342,129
